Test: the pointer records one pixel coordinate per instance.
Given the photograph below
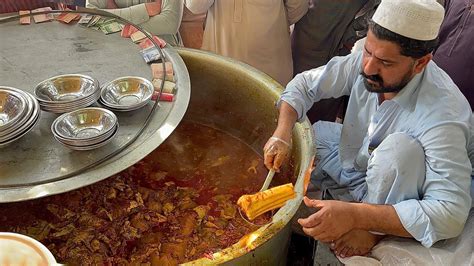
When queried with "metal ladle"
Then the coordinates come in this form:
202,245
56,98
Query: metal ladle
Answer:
268,180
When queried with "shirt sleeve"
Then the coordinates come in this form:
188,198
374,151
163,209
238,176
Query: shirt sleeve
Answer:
295,10
198,6
96,4
330,81
167,22
444,207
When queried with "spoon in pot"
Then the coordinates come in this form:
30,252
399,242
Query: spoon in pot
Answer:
268,180
265,186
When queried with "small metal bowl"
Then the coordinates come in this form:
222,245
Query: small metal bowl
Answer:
84,124
127,93
12,107
66,88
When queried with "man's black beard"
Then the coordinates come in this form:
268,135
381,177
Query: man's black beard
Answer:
376,78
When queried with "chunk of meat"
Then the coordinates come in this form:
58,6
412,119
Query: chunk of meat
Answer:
187,203
64,231
168,208
188,223
90,220
176,250
150,239
138,221
164,260
39,231
201,211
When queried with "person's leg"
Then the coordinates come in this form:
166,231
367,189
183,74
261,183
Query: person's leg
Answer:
328,175
395,172
327,137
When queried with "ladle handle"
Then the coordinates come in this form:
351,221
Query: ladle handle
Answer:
268,180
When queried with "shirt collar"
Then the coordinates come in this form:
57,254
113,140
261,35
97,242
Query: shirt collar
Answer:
406,98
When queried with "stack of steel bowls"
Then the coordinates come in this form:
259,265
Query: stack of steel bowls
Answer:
19,113
85,129
66,93
126,94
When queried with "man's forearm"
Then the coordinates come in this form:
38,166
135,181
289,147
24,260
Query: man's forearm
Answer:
286,120
378,218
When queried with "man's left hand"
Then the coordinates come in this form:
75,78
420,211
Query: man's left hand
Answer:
333,219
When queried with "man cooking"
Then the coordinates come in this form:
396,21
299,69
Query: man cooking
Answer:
401,155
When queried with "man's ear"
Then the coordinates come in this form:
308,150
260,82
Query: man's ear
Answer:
420,63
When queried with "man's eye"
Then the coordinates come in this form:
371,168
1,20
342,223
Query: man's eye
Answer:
387,64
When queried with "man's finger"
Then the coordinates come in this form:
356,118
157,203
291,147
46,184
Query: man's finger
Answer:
312,203
314,232
310,221
267,146
268,161
278,161
318,234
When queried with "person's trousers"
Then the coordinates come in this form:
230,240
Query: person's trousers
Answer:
395,169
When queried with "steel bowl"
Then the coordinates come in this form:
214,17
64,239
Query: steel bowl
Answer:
127,93
32,110
66,89
13,106
26,123
88,146
84,124
88,141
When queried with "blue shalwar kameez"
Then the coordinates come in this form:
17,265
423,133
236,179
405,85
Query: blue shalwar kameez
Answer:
410,152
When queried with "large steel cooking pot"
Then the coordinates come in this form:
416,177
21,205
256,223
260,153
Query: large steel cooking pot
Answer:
240,100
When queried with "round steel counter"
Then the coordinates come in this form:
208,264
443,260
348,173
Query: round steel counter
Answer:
34,166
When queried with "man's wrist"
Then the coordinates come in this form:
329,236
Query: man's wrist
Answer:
360,216
284,134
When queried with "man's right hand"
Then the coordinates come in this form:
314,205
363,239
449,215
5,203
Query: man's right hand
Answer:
274,152
153,8
278,146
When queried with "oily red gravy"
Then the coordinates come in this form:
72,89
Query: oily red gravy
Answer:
175,205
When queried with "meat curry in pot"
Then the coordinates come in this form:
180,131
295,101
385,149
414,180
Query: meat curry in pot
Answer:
176,205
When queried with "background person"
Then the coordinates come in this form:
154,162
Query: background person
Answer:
161,17
329,28
253,31
192,29
10,6
455,53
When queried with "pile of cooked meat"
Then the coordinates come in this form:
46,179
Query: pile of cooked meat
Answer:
146,214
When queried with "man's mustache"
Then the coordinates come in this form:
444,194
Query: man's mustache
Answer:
375,78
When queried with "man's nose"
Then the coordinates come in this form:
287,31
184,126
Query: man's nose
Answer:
371,66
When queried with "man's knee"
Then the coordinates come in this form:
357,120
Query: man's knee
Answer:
396,170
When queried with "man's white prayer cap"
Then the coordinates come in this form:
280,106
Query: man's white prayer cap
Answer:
415,19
